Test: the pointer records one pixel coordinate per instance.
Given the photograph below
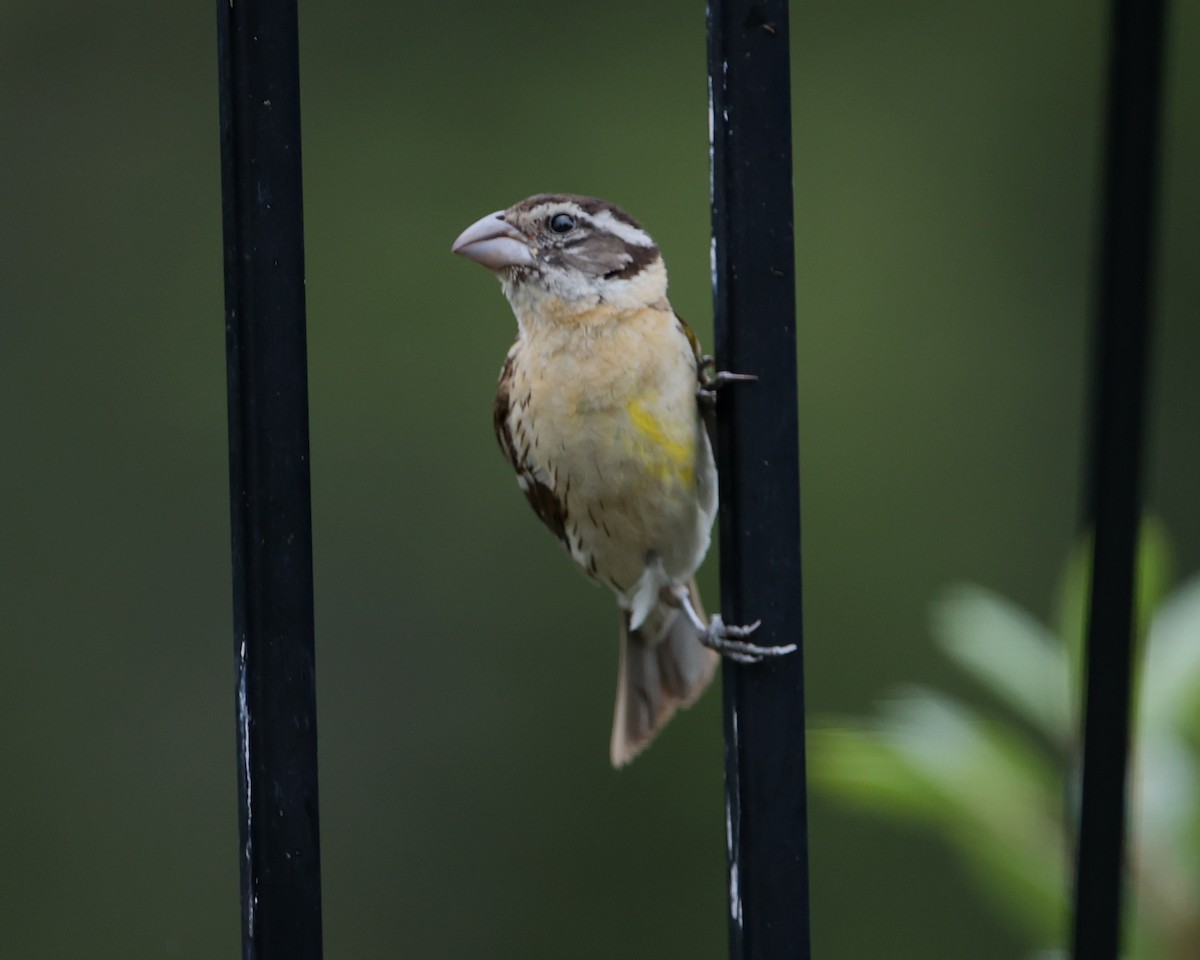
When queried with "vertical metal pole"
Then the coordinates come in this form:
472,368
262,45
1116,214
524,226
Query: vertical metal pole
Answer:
269,479
757,431
1122,330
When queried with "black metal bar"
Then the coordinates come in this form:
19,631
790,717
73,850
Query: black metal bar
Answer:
757,434
1122,333
269,479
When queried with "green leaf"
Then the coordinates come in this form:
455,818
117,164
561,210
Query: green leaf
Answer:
1153,579
998,799
1006,649
1166,764
1170,690
1155,566
1165,855
993,796
1073,593
854,762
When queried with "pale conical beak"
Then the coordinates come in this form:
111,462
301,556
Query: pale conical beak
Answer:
494,243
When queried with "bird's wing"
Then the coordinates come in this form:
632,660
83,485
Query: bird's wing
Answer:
500,411
695,343
707,414
541,497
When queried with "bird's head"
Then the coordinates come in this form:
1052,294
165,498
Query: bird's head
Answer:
559,256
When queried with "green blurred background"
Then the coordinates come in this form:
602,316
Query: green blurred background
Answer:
947,164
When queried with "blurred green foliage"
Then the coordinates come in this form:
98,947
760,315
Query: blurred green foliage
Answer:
947,162
997,789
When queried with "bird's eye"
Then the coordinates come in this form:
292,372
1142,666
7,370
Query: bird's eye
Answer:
562,223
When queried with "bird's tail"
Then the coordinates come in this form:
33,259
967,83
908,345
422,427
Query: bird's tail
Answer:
663,666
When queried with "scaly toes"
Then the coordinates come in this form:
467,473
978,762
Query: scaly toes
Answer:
729,642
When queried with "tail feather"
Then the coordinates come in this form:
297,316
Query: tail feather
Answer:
662,667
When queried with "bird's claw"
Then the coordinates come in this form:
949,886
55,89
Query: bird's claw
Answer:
711,382
730,642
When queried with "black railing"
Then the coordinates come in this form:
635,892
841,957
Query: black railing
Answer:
757,453
1121,341
754,296
269,479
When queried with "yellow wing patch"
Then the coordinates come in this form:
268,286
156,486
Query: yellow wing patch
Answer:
665,456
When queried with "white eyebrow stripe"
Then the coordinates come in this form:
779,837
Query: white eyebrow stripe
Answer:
619,228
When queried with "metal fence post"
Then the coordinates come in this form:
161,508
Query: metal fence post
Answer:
1121,338
757,431
269,479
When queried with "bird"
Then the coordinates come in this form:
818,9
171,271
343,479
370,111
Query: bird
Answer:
601,410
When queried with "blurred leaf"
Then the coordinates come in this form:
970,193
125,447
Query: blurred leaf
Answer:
1154,572
856,762
1166,810
999,799
1171,679
1073,594
1165,856
1010,652
993,796
1153,580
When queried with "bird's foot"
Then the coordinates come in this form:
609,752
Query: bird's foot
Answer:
730,642
727,640
712,379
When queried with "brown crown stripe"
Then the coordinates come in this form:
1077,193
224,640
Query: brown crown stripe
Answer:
642,258
590,205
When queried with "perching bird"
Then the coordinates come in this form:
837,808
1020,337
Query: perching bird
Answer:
598,409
